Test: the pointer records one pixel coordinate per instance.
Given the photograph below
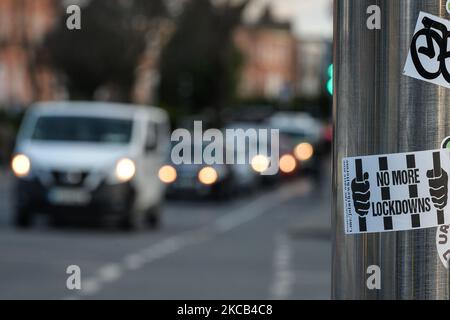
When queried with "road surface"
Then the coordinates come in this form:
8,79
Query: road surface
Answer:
271,245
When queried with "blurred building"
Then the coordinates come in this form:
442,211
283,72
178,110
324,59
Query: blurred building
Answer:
270,58
24,78
23,26
313,58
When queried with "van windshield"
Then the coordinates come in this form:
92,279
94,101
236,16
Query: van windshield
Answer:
83,129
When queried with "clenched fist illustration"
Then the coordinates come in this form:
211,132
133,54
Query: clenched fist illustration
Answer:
361,195
438,188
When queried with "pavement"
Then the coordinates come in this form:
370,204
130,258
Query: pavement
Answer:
274,244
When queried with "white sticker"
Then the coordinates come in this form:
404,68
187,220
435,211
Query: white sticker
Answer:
429,51
396,192
443,244
442,233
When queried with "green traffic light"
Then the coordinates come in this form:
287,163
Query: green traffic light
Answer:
330,81
330,86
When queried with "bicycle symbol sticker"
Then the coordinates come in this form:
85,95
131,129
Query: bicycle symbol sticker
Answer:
429,54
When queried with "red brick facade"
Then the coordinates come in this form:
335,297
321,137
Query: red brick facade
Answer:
269,51
23,26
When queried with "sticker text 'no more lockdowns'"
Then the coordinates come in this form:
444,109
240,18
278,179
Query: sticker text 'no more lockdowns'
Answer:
396,192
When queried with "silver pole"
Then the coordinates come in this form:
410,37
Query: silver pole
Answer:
378,110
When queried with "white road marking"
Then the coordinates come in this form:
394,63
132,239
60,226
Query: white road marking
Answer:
106,274
88,287
284,277
257,208
110,273
135,261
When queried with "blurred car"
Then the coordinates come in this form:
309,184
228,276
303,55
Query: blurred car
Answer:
95,161
250,172
303,134
219,181
199,180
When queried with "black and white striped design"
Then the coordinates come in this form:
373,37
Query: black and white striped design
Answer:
413,189
385,192
413,193
406,191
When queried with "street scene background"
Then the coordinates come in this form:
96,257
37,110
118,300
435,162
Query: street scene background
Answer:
228,63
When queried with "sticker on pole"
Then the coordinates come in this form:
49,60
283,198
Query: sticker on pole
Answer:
396,192
443,232
429,56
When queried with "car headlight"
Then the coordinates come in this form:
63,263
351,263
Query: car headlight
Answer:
208,176
21,165
260,163
288,164
304,151
125,170
167,174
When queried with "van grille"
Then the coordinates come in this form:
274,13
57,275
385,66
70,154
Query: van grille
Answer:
69,179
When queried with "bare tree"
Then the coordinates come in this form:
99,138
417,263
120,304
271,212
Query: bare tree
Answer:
107,50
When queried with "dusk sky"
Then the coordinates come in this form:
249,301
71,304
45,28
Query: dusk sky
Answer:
311,18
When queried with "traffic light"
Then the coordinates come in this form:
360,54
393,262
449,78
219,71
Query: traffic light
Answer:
330,80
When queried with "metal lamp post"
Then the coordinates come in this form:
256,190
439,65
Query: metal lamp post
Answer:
378,110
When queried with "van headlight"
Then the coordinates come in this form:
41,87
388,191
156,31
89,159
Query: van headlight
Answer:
21,165
125,170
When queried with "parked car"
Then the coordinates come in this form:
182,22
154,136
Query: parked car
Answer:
89,160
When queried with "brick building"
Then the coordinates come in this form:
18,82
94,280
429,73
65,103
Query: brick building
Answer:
270,59
23,26
314,56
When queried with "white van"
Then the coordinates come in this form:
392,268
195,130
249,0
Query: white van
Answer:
91,160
